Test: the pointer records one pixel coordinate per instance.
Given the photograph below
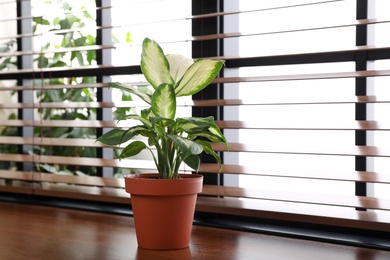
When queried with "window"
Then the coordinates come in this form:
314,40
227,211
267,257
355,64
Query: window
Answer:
292,110
303,101
299,118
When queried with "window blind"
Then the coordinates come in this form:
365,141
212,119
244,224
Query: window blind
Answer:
302,100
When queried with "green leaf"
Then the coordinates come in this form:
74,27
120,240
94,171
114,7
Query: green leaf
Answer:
43,62
146,90
164,101
91,40
193,161
132,149
131,90
198,76
73,55
80,58
137,117
87,15
80,41
213,133
159,129
214,129
178,65
112,137
131,132
146,113
165,122
91,56
209,150
55,95
126,97
57,20
194,124
128,37
154,64
119,136
40,20
205,134
187,147
49,168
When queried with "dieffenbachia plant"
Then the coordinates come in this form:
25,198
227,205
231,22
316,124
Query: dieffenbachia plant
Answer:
176,140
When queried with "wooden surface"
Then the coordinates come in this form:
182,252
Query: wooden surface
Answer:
36,232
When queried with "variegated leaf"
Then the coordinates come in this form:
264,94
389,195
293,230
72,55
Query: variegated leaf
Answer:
198,76
178,64
154,64
164,101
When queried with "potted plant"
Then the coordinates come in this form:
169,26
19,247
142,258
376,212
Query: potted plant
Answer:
175,141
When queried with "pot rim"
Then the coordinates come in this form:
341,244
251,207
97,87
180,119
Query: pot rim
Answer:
142,184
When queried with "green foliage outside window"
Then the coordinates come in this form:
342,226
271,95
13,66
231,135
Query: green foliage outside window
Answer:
72,37
8,63
69,30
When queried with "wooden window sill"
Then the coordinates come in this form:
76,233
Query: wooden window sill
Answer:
39,232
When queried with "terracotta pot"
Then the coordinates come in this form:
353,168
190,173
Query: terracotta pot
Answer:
163,209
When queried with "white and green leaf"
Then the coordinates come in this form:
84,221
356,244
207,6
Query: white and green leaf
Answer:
214,130
193,124
144,121
164,122
178,64
145,97
146,113
205,134
164,101
198,76
154,64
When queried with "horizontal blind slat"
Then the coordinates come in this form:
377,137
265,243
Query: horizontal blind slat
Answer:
282,100
337,175
71,49
71,179
85,71
333,75
314,199
303,29
82,161
303,125
343,151
46,141
63,123
48,87
353,125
